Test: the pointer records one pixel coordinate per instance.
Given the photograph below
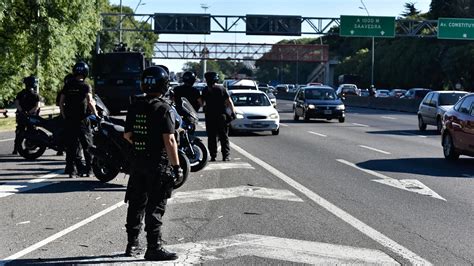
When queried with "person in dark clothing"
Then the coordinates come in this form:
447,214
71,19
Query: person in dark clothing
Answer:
150,128
27,103
187,91
67,78
216,99
75,101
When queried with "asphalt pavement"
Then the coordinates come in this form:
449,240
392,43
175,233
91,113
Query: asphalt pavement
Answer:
372,190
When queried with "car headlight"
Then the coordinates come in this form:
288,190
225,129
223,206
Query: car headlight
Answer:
273,116
239,116
340,107
311,106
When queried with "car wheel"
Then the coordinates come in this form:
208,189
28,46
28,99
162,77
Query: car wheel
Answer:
342,119
296,117
328,119
276,132
448,148
421,124
439,124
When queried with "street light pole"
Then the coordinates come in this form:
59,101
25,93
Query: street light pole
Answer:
204,50
373,46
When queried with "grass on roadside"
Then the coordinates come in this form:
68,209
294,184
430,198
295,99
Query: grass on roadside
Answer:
7,124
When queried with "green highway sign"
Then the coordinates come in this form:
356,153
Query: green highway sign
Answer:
367,26
456,28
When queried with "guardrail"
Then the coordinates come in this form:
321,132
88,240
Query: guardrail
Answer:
392,104
45,110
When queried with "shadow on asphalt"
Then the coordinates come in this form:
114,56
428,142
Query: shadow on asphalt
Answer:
77,185
81,260
405,132
311,121
462,168
19,159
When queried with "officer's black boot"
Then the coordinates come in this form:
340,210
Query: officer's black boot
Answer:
133,247
156,252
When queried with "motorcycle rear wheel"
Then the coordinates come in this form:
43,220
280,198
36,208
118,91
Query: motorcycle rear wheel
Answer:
201,155
185,165
103,169
30,150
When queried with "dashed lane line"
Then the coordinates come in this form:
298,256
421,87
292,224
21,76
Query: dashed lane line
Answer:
5,140
317,134
10,188
374,149
360,125
389,117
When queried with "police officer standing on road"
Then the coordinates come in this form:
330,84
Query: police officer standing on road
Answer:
216,100
75,101
27,102
187,91
150,128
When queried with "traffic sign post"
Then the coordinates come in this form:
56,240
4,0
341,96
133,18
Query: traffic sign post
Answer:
456,28
367,26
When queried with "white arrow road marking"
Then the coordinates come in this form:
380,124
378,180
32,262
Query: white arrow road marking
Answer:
10,188
411,185
338,212
233,192
276,248
317,134
227,165
374,149
3,140
360,125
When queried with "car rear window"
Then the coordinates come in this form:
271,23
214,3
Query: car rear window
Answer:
449,98
250,99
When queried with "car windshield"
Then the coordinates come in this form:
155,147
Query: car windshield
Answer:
250,99
241,87
449,98
320,94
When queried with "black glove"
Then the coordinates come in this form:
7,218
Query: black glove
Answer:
177,173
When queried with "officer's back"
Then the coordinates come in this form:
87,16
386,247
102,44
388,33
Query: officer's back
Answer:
75,92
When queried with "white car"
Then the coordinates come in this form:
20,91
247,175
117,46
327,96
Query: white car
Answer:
254,112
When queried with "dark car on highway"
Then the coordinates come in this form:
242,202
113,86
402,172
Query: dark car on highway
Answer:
457,136
433,107
415,93
318,102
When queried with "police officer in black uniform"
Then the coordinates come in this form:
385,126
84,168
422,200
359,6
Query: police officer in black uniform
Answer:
187,91
216,100
27,103
76,103
150,128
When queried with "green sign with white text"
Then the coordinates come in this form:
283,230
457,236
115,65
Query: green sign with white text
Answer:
456,28
367,26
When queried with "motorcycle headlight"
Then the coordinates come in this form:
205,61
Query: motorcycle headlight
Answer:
239,116
311,106
273,116
340,107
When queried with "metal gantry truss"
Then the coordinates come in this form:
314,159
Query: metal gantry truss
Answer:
310,25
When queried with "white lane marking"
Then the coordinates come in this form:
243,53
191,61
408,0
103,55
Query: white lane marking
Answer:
284,125
351,220
411,134
3,140
59,234
227,165
411,185
270,247
360,125
374,149
233,192
317,134
10,188
389,117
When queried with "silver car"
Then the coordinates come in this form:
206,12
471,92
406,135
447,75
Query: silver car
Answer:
433,107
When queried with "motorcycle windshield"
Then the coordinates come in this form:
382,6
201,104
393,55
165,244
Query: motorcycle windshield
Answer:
188,110
101,106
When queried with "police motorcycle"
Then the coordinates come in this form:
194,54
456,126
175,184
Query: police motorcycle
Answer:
40,134
191,145
112,153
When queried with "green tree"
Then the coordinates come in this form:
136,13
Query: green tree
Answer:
410,10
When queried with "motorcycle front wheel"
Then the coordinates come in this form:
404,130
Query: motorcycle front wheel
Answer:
103,169
30,149
201,156
185,165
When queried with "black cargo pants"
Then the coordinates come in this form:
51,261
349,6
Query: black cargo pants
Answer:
217,127
78,132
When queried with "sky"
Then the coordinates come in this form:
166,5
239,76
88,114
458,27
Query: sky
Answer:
304,8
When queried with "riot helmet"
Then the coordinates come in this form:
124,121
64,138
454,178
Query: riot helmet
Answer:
165,68
189,78
80,69
155,80
211,77
31,82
